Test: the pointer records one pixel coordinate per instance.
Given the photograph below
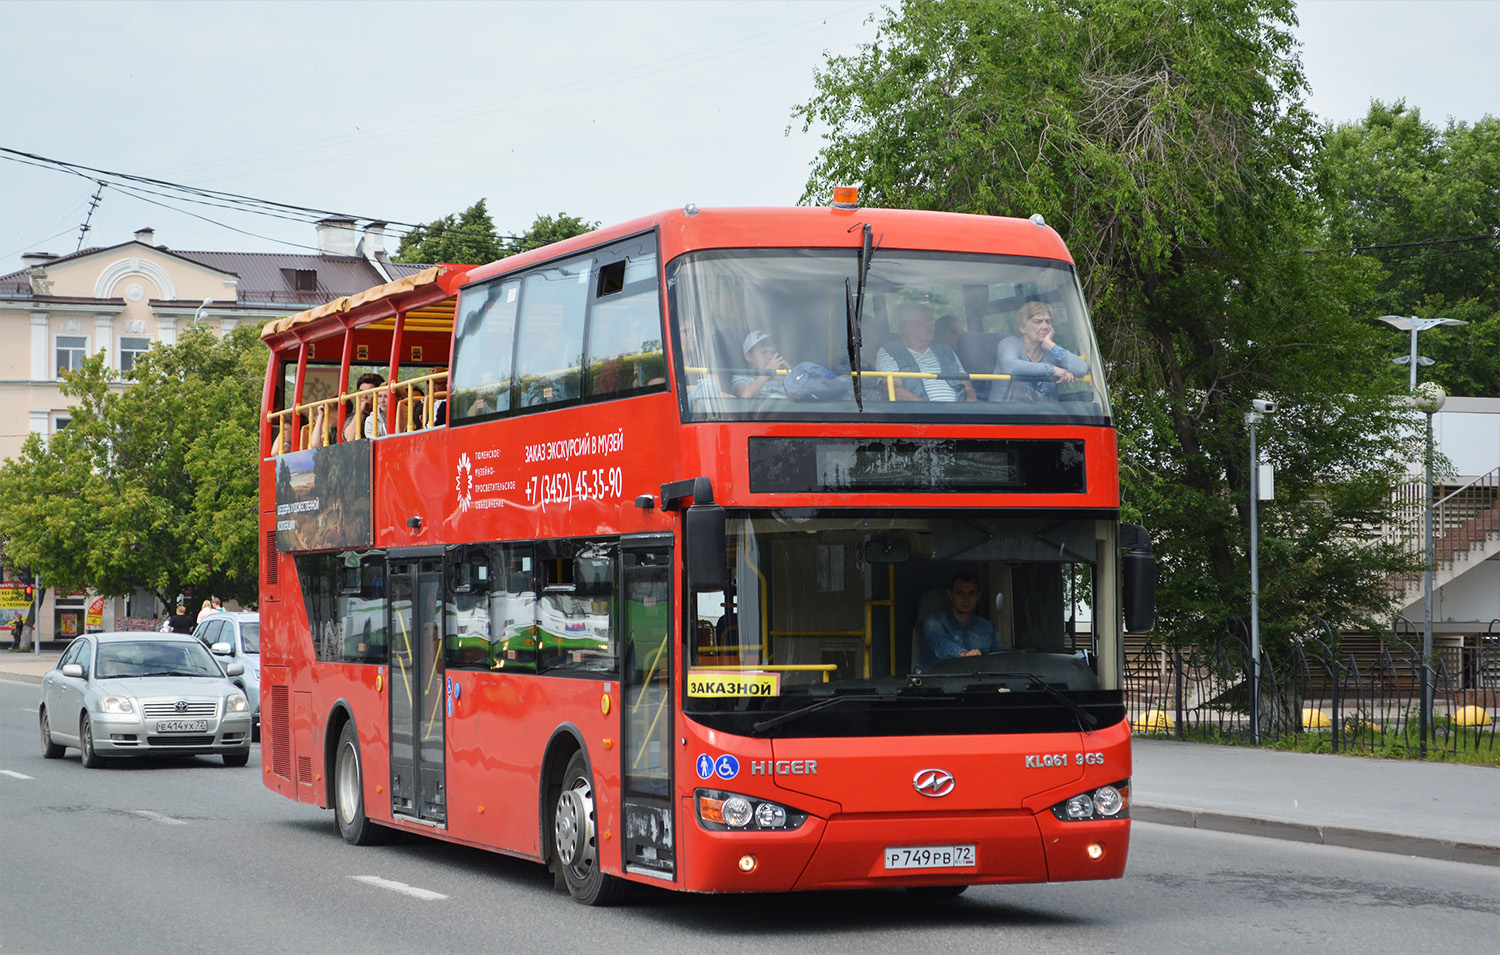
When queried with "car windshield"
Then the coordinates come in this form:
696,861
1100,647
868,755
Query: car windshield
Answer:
249,638
770,333
154,658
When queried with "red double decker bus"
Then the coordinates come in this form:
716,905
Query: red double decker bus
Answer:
724,550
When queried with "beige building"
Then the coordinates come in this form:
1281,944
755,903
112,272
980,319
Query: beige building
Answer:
125,299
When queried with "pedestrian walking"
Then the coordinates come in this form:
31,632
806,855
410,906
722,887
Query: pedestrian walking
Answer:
16,627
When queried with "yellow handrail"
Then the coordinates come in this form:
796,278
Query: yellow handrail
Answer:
825,668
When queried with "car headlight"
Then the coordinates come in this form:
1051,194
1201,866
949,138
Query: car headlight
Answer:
117,705
1105,802
721,810
236,703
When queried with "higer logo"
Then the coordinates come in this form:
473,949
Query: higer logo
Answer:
933,782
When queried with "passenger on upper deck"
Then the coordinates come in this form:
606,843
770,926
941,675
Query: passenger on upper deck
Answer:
916,352
361,423
946,331
761,353
1035,363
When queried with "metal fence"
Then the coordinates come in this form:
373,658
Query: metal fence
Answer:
1365,698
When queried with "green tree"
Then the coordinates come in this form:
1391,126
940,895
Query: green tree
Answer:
545,230
1168,143
467,238
1425,204
153,485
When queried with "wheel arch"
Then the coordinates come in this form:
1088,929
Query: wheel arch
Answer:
338,715
565,740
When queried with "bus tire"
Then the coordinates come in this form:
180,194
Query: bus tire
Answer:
349,793
575,839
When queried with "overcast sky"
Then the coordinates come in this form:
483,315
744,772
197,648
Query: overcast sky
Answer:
608,111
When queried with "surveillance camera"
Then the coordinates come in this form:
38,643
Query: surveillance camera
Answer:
1264,405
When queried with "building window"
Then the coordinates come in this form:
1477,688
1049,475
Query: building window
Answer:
71,350
131,349
305,280
60,422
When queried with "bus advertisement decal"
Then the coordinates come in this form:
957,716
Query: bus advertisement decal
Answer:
711,683
323,498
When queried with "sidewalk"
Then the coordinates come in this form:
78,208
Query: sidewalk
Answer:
1406,807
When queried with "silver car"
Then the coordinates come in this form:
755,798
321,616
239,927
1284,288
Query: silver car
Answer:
234,637
143,694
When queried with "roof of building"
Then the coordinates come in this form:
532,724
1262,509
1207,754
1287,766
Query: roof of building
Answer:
265,278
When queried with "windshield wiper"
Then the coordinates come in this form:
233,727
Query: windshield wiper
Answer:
173,673
761,727
1032,679
854,307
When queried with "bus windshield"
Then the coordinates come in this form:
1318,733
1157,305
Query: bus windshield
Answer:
956,610
770,333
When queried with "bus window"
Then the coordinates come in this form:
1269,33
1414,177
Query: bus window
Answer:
549,341
624,337
480,378
575,616
941,335
513,609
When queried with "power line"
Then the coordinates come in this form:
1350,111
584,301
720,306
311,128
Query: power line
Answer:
217,198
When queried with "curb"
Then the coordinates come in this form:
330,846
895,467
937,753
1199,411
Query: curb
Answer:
1425,847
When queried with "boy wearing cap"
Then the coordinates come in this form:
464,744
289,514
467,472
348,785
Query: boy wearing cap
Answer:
761,354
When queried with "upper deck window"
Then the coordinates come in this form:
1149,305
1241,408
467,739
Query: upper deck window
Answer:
764,333
579,329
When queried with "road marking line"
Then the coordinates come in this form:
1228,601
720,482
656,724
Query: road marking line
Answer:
426,895
158,817
12,772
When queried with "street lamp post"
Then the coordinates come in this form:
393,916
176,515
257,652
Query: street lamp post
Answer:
1252,418
203,309
1429,401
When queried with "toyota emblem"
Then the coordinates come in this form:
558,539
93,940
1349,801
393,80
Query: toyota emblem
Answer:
180,706
933,782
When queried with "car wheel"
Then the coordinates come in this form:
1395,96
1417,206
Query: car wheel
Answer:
91,759
349,793
237,759
50,750
575,839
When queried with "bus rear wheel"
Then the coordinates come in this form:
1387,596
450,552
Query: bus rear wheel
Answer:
349,793
575,839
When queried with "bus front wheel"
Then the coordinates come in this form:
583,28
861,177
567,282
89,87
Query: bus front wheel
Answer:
349,793
575,839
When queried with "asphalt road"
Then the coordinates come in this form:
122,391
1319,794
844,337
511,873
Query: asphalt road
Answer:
190,856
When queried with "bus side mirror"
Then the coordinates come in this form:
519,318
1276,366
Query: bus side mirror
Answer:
1138,570
706,536
350,579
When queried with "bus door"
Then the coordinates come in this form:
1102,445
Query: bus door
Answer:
415,629
646,716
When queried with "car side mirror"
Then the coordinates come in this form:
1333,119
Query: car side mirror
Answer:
235,669
73,669
222,650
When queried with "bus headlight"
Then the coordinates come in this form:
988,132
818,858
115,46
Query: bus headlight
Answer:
1105,802
721,811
